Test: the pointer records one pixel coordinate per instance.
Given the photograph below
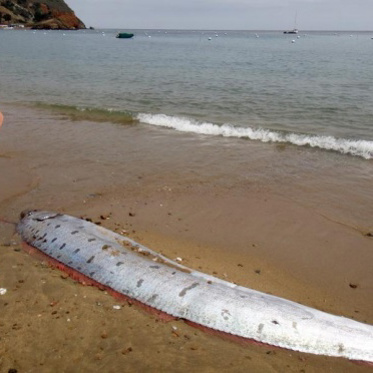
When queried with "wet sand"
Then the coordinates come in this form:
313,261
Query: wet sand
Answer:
244,230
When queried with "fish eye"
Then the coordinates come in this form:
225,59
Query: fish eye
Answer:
27,213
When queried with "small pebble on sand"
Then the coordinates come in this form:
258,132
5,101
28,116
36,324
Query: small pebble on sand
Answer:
125,351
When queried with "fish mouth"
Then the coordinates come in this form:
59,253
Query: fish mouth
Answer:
38,215
25,213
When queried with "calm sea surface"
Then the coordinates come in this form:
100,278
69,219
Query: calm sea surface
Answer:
315,89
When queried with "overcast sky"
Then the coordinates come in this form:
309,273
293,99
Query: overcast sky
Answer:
226,14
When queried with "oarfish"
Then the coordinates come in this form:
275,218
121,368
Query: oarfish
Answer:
129,268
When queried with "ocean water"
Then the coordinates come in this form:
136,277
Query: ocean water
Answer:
239,111
311,91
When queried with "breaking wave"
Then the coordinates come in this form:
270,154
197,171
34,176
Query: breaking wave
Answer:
360,148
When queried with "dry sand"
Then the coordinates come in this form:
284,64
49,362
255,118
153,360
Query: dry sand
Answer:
50,323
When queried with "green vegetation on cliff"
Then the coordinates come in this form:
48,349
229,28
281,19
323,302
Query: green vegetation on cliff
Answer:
45,14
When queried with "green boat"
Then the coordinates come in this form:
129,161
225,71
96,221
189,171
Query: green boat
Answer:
124,35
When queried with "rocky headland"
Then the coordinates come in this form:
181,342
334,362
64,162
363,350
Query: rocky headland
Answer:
47,14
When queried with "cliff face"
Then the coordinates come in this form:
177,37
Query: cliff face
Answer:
44,14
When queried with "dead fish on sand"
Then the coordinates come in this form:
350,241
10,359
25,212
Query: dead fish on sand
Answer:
128,268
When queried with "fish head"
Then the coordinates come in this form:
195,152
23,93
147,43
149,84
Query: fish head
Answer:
38,215
32,218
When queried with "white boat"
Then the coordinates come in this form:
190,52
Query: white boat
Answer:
294,30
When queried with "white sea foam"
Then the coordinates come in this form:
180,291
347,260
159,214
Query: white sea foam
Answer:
360,148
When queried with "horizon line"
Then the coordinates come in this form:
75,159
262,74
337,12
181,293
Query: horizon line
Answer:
217,29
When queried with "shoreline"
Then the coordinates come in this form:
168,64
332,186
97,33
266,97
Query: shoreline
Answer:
259,239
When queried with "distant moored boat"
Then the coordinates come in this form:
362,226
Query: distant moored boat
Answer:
124,35
293,31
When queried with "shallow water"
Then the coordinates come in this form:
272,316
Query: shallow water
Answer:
108,155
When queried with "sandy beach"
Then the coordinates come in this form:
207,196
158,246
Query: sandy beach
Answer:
266,236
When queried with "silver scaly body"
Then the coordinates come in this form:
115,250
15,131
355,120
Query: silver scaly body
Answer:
140,273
